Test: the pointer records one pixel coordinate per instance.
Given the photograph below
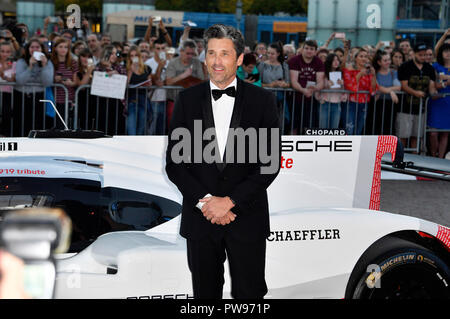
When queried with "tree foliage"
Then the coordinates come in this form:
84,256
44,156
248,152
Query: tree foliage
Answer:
188,5
267,7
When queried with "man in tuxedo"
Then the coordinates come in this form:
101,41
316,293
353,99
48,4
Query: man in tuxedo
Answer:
225,209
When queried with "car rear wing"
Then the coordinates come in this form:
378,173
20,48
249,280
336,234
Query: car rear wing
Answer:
420,166
331,171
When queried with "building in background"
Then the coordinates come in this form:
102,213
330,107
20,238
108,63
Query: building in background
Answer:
422,20
113,6
7,10
362,21
33,12
419,20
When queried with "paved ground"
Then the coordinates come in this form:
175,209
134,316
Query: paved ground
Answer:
429,200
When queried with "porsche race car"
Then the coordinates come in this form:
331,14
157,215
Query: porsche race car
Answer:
328,238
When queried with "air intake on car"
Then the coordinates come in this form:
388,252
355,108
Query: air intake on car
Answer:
55,133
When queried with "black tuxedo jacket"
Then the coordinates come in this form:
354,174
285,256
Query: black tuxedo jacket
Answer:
243,182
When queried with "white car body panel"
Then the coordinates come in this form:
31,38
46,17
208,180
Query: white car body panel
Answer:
335,193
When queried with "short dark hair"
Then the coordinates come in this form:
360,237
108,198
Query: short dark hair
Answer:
311,43
188,44
97,36
160,40
85,52
340,50
249,58
221,31
72,34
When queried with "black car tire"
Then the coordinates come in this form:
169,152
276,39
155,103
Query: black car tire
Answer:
406,270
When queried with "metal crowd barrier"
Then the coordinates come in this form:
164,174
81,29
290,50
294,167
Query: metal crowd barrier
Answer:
379,116
22,111
116,117
429,130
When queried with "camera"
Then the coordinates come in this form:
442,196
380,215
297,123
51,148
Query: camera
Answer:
34,234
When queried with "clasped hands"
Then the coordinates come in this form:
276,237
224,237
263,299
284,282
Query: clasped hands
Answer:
218,210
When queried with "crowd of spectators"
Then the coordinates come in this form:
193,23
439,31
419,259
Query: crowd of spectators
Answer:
362,90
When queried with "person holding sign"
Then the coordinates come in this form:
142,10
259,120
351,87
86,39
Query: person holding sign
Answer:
330,103
139,77
110,120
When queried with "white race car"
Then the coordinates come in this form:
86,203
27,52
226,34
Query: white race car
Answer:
328,238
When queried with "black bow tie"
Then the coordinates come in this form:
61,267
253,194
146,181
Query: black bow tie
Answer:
230,91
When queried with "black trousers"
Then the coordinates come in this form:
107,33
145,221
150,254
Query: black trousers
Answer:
206,259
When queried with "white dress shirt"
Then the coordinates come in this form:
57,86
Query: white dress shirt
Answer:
222,111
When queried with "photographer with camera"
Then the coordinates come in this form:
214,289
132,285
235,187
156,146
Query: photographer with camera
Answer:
28,240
